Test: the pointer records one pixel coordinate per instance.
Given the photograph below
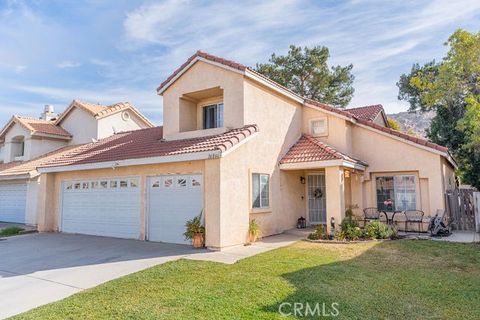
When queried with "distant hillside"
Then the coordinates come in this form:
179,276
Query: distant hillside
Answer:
418,122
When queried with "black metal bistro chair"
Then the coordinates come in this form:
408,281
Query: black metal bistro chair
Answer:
414,216
371,214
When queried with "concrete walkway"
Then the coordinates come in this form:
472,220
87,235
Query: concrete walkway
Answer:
36,269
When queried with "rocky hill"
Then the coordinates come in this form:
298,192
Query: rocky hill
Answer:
416,122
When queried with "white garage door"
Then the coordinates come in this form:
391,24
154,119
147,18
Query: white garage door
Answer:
13,197
172,200
104,207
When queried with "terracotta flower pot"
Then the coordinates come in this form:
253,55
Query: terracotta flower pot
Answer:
198,240
252,238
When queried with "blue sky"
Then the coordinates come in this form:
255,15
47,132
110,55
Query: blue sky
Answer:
52,52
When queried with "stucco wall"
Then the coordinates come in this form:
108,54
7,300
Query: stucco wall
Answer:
41,146
106,125
10,148
339,133
81,125
387,155
203,76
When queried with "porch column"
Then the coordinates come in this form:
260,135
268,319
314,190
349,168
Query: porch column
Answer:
335,187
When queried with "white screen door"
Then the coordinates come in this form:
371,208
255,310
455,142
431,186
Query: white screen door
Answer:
317,204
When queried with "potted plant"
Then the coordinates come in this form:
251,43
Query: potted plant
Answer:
253,231
195,231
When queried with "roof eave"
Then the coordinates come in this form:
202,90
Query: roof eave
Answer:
323,164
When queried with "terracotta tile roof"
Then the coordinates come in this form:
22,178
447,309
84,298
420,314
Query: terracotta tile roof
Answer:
42,126
147,143
92,108
309,149
25,167
366,112
100,111
363,116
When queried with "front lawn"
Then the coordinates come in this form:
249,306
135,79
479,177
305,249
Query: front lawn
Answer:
385,280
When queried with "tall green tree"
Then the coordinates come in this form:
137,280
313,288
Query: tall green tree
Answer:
306,72
452,88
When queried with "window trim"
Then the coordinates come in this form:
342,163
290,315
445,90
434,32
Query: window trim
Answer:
252,200
418,199
215,106
311,121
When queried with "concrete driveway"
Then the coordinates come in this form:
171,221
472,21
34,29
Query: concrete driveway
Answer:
36,269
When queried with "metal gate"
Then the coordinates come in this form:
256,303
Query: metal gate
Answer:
317,206
461,208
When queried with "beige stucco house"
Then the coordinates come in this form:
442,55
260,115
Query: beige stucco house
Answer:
237,146
27,142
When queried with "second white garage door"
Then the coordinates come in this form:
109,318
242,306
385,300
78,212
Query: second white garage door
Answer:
104,207
172,200
13,197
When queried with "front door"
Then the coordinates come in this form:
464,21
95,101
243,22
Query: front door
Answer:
317,204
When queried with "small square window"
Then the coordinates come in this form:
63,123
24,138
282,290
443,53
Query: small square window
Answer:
182,182
69,186
195,183
123,184
85,185
104,184
77,185
113,183
318,127
133,183
156,184
168,182
95,184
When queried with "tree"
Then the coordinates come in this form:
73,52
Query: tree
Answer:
393,124
305,71
451,88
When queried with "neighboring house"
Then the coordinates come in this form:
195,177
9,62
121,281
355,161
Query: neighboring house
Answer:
28,142
238,146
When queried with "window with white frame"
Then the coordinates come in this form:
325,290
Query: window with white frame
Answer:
213,116
260,190
318,127
396,193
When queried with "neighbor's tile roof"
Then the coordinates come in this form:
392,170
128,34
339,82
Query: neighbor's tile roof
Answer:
42,126
366,112
92,108
147,143
25,167
309,149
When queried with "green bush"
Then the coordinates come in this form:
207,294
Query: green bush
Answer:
320,233
379,230
10,231
349,229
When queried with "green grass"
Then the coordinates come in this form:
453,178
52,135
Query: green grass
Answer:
10,231
375,280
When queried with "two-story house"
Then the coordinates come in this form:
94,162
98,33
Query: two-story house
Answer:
26,142
238,146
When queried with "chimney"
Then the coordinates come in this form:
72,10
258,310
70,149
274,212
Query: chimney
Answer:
48,113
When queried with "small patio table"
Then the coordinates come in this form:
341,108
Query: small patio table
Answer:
390,216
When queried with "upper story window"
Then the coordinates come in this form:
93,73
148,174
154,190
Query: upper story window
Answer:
213,116
318,127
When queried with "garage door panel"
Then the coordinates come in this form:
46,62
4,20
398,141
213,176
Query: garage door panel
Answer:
101,207
13,198
173,200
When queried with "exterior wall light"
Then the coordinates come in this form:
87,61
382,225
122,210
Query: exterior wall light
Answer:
302,180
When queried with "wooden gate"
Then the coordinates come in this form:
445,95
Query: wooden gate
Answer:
461,208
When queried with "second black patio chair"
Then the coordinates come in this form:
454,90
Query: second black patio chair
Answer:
414,216
371,214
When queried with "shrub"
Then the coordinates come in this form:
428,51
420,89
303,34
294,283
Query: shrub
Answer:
10,231
379,230
253,228
320,233
349,229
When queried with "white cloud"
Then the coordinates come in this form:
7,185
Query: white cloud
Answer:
20,68
68,64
